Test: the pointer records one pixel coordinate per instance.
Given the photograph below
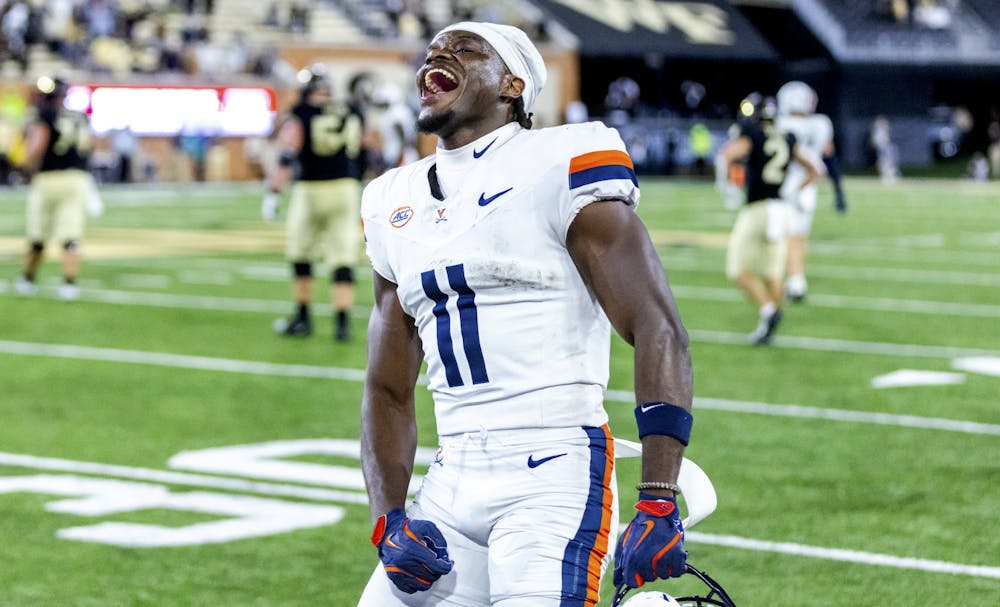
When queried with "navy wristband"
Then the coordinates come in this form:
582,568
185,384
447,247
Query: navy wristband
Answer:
664,419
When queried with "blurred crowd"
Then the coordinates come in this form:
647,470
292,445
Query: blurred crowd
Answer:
412,19
931,14
123,37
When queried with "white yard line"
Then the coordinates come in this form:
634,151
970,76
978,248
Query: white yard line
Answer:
180,478
844,415
838,554
182,361
823,344
312,371
856,273
176,300
915,306
906,254
351,497
839,415
205,277
919,276
144,281
241,304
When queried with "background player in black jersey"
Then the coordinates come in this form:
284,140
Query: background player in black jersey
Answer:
755,258
62,191
321,138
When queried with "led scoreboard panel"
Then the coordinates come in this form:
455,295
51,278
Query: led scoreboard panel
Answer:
220,111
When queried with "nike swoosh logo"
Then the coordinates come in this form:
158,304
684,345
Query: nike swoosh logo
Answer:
476,154
648,408
534,463
483,200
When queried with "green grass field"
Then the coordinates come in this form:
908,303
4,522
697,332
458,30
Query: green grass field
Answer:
832,492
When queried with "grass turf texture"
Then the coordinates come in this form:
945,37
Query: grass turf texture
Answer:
193,272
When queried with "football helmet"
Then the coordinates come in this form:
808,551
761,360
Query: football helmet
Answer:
796,97
651,599
757,108
314,79
387,94
716,597
52,87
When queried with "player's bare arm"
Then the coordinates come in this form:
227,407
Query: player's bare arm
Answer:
829,148
36,141
735,150
290,139
812,173
612,250
388,423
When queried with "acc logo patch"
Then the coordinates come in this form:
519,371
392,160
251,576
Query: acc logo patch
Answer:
401,216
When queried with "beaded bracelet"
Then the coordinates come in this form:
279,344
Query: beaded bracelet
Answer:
659,485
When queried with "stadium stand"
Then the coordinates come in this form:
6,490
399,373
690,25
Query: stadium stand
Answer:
273,22
409,20
842,47
989,13
861,31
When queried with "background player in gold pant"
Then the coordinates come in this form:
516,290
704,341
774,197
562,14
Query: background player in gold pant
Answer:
57,146
755,257
322,139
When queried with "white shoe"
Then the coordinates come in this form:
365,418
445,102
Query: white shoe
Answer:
23,286
795,288
761,336
68,291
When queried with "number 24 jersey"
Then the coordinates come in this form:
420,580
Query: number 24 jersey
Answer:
511,335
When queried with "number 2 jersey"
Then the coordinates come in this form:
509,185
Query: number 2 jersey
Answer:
511,335
767,164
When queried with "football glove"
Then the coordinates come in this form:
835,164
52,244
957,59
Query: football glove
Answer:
269,206
653,543
414,554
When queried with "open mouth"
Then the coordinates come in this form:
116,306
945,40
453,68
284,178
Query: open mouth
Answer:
438,80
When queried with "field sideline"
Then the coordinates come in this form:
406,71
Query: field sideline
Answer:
161,446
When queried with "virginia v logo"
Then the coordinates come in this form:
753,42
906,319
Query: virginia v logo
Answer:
701,23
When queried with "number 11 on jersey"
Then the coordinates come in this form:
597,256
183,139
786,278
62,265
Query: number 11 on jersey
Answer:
468,319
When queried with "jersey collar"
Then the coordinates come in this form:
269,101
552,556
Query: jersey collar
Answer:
454,165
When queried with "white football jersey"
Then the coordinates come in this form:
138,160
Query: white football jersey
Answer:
511,335
813,133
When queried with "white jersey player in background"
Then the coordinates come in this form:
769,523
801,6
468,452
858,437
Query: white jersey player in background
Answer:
396,124
814,135
499,261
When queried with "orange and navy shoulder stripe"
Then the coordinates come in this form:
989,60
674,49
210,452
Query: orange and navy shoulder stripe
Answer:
602,165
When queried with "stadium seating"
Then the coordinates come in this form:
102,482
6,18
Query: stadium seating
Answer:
988,12
327,23
969,30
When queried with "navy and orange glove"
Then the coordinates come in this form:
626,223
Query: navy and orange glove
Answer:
653,543
413,552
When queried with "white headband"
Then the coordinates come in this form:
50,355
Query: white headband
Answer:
515,49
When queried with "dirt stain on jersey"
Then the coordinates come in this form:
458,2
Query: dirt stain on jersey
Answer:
513,275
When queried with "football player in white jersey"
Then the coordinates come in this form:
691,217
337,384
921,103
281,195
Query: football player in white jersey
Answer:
814,134
503,261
